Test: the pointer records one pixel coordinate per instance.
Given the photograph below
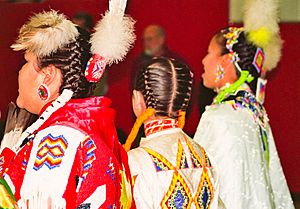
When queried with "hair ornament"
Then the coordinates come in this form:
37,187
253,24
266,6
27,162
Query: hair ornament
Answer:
113,38
262,29
231,35
45,33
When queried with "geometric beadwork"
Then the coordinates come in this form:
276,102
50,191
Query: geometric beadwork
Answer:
90,157
204,195
196,159
181,162
259,60
50,152
178,195
159,161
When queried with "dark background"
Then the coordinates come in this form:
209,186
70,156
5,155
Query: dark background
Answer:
189,24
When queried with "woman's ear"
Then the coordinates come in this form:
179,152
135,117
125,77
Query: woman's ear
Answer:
50,74
52,78
226,60
138,103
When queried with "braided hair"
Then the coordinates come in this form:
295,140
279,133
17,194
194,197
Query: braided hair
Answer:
166,85
71,60
246,52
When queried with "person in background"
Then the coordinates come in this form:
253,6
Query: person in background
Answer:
84,20
154,43
169,169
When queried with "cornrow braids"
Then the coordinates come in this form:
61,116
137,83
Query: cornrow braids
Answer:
246,52
166,85
71,60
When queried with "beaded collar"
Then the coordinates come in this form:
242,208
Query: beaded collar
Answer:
244,98
160,125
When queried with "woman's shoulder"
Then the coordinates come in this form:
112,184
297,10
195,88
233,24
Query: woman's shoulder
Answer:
225,112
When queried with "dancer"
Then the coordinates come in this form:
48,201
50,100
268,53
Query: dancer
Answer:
169,169
70,157
234,129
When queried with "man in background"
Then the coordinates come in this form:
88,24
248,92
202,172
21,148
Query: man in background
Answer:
154,42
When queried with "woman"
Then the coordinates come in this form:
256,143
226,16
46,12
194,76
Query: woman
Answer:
70,157
235,130
169,169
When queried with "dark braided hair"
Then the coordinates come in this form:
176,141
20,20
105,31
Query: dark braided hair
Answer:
71,60
166,85
246,52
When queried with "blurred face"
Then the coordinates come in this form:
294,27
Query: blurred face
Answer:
153,41
30,78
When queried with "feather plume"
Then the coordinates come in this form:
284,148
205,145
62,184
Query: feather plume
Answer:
45,33
261,25
16,122
273,53
114,34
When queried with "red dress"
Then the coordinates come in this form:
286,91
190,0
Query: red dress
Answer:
74,160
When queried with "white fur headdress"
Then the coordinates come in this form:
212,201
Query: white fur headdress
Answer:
112,40
261,25
114,34
45,33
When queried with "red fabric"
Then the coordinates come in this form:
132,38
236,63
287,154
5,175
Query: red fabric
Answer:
94,118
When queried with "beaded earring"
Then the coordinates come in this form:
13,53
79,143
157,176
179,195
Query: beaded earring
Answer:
219,73
43,92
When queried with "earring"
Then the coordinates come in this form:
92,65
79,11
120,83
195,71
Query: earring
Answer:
43,92
219,73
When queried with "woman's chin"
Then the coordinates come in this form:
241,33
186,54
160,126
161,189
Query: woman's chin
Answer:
20,102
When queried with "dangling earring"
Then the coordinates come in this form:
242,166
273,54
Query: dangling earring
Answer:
219,73
43,92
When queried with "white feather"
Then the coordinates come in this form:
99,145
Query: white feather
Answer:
114,34
261,13
264,14
273,53
45,33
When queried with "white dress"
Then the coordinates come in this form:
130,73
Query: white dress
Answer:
170,170
250,172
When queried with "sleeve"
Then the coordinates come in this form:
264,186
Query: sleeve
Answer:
98,176
282,196
49,166
143,178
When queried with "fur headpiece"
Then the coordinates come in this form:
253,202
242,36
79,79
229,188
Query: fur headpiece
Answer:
45,33
261,25
112,40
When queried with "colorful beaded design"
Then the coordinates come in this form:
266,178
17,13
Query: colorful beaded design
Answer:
258,61
50,152
90,157
160,125
181,157
231,35
179,195
159,161
95,68
204,194
245,99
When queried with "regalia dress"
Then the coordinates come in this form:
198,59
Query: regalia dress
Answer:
170,170
236,133
73,160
